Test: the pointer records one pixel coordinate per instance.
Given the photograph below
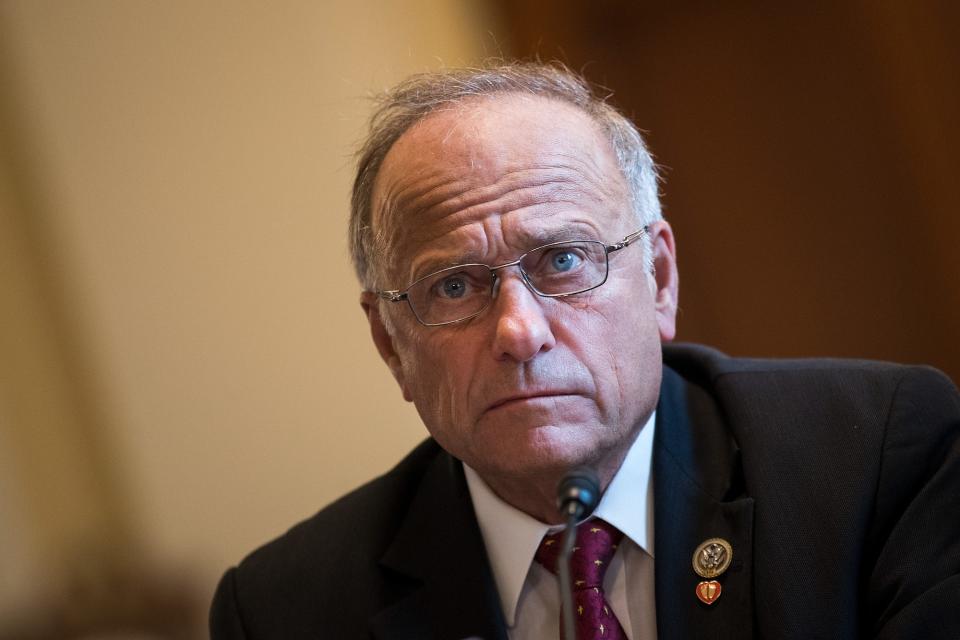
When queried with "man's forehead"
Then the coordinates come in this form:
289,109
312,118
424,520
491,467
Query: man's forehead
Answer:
486,136
496,154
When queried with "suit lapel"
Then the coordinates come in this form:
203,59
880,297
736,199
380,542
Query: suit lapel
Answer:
439,553
698,495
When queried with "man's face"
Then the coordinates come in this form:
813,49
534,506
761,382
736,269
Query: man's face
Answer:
532,385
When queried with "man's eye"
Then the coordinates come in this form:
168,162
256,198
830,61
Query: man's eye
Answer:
564,260
452,287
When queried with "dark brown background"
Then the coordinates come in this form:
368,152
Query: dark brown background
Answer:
809,155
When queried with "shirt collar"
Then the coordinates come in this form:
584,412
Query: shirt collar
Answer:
512,537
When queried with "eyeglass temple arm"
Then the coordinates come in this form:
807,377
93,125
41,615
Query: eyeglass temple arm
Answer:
391,296
627,240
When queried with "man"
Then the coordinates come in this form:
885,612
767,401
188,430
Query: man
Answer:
519,283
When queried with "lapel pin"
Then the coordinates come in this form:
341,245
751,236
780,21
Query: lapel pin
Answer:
708,591
712,558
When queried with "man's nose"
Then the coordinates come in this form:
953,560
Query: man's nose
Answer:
522,325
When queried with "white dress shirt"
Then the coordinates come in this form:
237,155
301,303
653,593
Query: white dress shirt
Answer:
529,594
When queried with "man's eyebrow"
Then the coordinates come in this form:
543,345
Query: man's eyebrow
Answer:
539,237
440,261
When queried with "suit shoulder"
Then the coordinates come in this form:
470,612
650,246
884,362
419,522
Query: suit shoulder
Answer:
702,363
816,393
350,534
294,585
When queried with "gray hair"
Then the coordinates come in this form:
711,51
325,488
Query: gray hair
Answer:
420,95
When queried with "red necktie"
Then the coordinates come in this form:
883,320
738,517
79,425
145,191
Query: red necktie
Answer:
596,543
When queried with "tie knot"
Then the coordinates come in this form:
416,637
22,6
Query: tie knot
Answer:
595,545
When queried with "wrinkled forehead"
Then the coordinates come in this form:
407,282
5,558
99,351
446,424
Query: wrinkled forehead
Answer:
492,157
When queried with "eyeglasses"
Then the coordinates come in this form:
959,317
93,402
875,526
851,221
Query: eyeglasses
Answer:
555,270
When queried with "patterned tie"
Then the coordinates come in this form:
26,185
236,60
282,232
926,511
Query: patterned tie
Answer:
596,543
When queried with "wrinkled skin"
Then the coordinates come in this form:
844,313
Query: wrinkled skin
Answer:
531,386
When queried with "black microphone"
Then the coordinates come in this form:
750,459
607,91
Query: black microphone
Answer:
577,496
578,493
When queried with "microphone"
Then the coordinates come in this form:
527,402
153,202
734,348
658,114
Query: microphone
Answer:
578,493
577,496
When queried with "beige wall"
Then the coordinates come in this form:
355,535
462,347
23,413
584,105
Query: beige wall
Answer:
185,368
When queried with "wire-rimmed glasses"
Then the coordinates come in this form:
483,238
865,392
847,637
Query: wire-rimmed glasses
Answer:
554,270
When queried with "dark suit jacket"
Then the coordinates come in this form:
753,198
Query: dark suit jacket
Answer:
836,482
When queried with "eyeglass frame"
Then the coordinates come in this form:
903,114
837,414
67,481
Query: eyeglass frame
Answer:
399,295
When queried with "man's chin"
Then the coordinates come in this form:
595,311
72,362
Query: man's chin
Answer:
538,452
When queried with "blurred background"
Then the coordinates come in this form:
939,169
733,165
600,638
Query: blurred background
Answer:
184,368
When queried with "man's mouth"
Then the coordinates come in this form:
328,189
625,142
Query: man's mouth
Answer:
529,397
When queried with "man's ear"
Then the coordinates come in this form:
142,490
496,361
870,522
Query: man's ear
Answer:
666,278
383,340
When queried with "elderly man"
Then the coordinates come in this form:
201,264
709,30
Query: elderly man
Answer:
520,284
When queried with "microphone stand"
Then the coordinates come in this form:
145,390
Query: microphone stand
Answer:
566,590
577,496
